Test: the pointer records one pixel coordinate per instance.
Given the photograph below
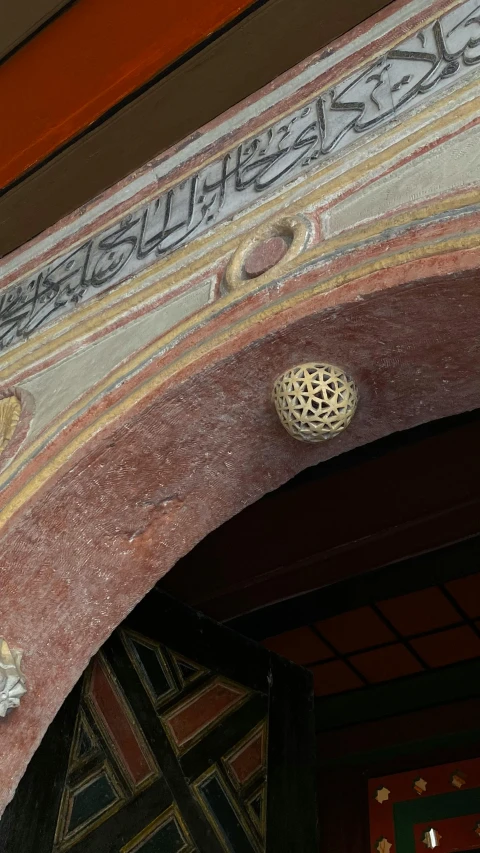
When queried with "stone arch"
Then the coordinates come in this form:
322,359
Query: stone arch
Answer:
90,543
150,419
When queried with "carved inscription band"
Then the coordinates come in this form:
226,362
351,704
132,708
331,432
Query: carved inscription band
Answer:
420,65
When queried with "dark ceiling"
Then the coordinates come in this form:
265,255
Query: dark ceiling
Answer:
410,493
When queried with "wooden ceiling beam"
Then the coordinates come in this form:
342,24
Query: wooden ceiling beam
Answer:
87,60
21,21
239,61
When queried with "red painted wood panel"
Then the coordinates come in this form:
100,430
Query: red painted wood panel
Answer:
111,707
250,758
86,61
455,833
385,791
200,711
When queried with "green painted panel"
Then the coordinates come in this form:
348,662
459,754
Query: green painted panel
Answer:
411,747
399,697
91,801
428,810
153,668
167,839
234,836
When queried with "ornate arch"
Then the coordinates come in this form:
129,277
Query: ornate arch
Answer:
144,363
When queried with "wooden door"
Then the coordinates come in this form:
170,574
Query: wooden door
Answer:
182,736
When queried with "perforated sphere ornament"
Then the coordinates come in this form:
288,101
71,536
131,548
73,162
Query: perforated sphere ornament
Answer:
315,401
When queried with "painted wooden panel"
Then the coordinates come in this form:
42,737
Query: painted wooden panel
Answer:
425,809
182,737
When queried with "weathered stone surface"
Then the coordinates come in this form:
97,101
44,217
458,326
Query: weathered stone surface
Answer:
441,169
152,421
264,256
142,496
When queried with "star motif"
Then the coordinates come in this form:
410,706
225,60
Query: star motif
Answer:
457,779
420,786
382,794
383,846
431,838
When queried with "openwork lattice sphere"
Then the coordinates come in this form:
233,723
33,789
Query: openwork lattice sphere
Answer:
315,401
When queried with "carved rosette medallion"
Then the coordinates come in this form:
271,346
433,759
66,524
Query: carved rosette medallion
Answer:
10,411
315,401
12,680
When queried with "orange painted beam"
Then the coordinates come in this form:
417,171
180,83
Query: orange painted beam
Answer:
88,60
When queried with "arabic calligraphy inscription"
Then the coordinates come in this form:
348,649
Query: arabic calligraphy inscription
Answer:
423,63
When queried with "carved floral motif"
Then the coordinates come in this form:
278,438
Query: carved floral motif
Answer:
12,681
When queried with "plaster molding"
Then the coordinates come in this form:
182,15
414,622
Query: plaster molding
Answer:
145,181
161,424
356,257
413,71
321,193
297,231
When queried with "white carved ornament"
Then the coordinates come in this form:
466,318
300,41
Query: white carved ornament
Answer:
315,401
12,680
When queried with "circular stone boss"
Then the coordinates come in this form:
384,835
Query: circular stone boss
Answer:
315,401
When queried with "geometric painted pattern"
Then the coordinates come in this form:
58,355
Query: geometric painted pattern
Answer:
115,719
249,757
433,807
93,790
167,833
224,812
110,760
161,671
188,721
149,717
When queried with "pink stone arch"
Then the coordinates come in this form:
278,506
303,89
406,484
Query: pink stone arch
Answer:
181,459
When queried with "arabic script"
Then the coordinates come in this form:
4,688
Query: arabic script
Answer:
421,64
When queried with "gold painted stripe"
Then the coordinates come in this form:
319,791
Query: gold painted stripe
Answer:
105,309
436,248
153,350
